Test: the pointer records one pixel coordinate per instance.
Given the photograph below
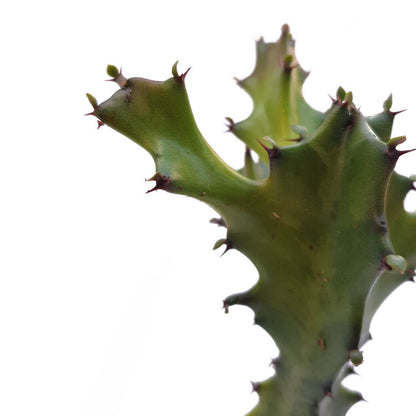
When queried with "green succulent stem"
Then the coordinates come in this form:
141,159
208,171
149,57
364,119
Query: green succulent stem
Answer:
320,215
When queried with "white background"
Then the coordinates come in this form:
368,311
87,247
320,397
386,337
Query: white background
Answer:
110,299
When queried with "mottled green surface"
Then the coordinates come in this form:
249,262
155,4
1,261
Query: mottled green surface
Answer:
310,215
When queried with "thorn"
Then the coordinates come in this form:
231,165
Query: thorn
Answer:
230,124
247,156
276,215
411,274
228,247
263,146
366,337
349,370
176,76
328,389
387,107
403,152
185,73
90,114
255,386
162,182
289,69
100,124
287,63
274,151
391,149
394,113
244,298
301,131
274,362
321,343
221,242
239,82
219,221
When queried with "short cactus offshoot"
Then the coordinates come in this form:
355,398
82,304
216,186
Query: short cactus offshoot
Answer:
320,215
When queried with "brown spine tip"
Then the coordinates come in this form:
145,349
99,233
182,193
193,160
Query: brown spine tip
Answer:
175,73
219,221
255,386
272,152
394,113
391,148
221,242
228,246
328,389
162,182
289,63
403,152
230,124
239,82
274,362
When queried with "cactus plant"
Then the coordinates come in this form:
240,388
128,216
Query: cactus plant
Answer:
320,214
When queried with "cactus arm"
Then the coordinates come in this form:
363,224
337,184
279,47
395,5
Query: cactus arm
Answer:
185,163
402,223
275,87
341,399
402,227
